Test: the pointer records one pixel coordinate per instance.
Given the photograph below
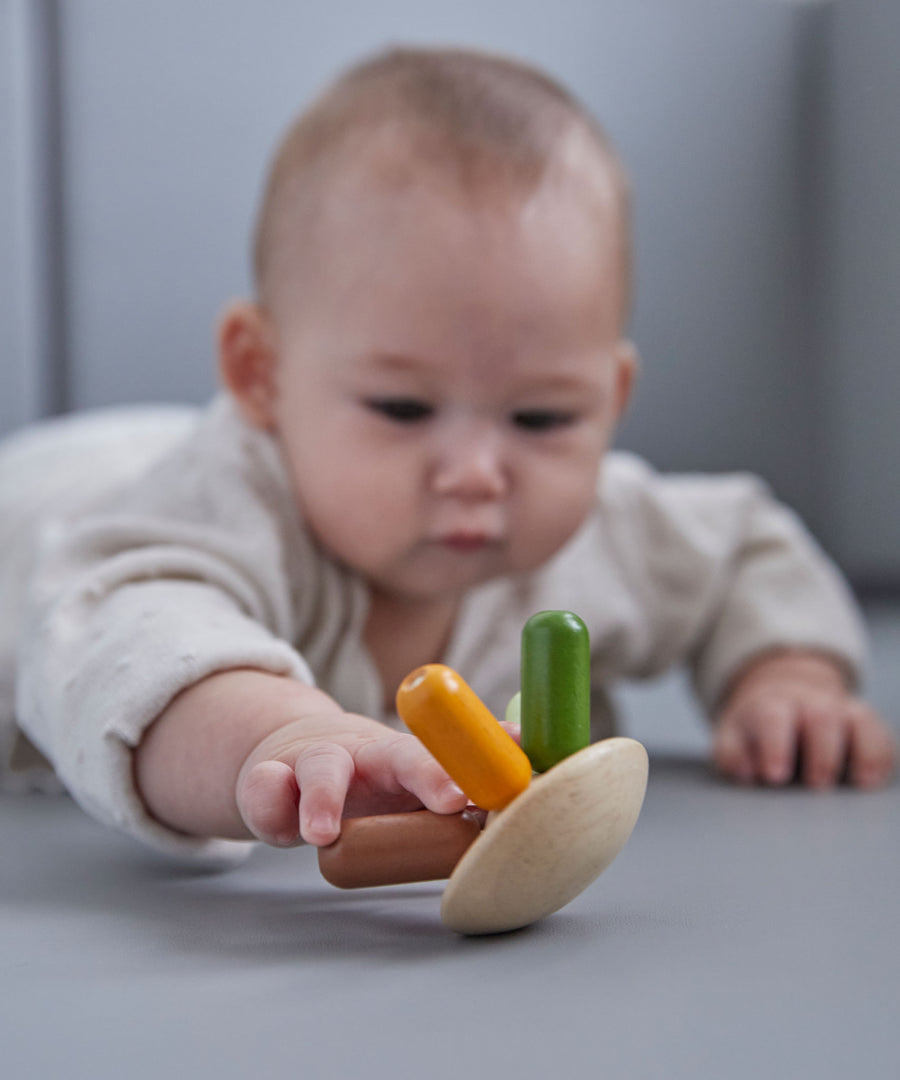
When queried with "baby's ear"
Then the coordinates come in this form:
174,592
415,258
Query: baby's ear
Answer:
247,361
627,364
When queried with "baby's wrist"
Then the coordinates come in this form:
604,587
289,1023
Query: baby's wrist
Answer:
791,667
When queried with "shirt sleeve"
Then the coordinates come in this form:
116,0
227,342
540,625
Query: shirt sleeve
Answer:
723,573
178,578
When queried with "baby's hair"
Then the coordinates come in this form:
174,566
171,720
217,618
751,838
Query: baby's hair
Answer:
485,119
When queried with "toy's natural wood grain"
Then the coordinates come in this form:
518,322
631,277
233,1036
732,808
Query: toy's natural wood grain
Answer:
531,859
551,842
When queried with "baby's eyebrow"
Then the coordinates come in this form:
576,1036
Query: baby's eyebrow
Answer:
527,382
558,380
391,361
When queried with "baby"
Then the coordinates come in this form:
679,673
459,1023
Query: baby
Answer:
409,459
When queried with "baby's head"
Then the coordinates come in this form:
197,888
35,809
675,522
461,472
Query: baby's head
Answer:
442,272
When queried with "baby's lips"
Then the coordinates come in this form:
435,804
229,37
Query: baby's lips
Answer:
466,541
469,538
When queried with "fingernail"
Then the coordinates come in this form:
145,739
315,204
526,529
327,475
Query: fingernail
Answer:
322,825
453,791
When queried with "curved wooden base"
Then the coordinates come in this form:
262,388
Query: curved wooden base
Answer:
551,842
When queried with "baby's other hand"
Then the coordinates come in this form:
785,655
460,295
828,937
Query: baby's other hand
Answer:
300,781
790,714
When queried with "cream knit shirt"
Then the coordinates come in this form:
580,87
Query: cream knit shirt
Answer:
142,550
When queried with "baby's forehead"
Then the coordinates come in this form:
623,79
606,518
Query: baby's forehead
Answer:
398,184
388,166
483,129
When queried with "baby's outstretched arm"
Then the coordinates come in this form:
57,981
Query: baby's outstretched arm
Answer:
792,710
245,753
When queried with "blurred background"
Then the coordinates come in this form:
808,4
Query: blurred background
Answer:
762,138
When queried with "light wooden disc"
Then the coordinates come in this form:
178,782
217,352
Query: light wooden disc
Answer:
551,842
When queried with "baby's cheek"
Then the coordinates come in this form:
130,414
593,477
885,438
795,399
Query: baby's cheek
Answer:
362,523
567,498
540,537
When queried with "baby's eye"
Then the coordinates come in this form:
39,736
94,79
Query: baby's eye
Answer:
403,410
542,419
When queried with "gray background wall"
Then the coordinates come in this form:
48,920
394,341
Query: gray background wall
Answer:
15,405
762,139
861,298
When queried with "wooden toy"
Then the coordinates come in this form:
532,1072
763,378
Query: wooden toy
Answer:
548,837
556,687
443,711
388,849
551,842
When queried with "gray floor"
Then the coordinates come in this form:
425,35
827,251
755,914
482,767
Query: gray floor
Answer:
740,934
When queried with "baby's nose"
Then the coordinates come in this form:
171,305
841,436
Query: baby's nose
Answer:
471,465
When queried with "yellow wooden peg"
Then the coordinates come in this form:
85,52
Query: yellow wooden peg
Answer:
443,711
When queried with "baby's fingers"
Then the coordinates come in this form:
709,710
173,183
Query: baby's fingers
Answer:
398,764
323,775
731,751
775,741
758,742
873,749
267,800
824,739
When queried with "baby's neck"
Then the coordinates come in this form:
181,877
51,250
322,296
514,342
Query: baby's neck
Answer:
402,634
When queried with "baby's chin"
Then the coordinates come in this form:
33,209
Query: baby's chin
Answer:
442,576
448,573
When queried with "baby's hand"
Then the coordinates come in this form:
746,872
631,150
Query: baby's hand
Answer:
302,779
790,714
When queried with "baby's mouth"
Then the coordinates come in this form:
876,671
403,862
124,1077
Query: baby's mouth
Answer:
464,542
